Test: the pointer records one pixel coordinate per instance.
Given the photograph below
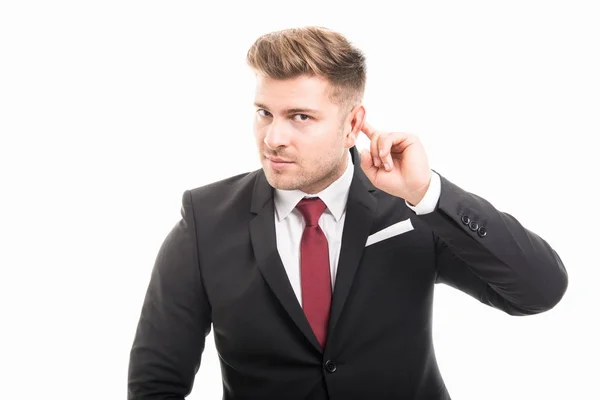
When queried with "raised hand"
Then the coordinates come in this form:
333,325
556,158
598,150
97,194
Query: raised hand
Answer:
396,163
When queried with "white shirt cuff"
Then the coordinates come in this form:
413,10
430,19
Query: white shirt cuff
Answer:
429,201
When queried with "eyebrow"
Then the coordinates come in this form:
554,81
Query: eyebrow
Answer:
291,110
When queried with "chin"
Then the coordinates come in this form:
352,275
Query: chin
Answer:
281,181
282,184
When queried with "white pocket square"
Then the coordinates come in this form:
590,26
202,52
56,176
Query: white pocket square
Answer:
392,230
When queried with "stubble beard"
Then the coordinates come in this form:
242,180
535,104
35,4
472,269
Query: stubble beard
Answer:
322,177
299,180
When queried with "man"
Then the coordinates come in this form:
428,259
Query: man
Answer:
317,271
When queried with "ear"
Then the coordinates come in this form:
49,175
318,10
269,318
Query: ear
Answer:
352,125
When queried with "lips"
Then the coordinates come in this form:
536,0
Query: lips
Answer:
278,160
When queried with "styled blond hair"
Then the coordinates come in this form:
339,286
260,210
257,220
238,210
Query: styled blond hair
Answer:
312,51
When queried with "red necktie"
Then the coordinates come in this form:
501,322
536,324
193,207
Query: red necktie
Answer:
314,268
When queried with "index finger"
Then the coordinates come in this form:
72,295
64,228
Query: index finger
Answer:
368,129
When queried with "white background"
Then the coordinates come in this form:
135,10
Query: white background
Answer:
110,110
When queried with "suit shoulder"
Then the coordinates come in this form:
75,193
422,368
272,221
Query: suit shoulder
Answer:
225,190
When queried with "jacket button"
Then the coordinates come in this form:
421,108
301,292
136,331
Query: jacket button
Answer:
465,219
330,366
473,225
482,231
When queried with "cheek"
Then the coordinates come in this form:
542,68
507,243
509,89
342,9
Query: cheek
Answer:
259,135
317,152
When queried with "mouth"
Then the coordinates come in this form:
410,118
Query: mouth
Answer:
278,162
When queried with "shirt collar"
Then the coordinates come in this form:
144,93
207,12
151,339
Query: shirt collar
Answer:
334,196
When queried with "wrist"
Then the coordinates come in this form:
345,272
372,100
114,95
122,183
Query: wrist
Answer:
416,196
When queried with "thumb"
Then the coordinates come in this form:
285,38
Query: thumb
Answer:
366,161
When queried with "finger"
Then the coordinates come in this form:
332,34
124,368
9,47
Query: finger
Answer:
368,129
385,145
383,151
366,161
400,141
375,149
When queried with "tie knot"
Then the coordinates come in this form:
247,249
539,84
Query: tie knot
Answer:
312,209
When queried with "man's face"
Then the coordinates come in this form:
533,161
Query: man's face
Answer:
302,136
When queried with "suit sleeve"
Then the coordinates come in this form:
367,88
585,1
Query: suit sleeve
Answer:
489,255
174,320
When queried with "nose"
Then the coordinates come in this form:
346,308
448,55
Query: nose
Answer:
276,136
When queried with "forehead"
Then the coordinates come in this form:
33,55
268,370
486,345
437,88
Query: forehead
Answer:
302,91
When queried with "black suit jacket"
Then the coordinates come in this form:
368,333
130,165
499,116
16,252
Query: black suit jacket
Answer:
220,265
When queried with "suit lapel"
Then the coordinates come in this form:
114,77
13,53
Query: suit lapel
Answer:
360,211
264,242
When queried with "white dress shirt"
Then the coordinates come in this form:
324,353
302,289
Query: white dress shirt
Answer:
289,222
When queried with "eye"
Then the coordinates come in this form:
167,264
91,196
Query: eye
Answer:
303,117
263,113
